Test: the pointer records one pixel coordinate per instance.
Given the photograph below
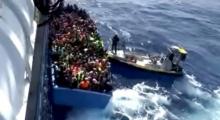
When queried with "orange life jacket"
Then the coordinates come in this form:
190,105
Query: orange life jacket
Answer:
85,84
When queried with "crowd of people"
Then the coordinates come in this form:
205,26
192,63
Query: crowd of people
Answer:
77,52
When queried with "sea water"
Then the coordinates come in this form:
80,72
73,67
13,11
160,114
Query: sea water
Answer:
187,101
147,26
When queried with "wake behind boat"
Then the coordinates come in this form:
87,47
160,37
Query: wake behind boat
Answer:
169,64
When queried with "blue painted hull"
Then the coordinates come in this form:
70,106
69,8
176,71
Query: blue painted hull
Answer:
80,99
77,98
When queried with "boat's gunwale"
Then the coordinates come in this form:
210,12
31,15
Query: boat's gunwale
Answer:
81,90
55,86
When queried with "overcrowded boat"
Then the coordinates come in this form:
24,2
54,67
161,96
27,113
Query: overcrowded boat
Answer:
79,64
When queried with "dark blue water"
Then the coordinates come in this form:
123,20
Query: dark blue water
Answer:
148,26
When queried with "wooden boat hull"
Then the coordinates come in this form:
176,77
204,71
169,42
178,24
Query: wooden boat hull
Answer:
114,58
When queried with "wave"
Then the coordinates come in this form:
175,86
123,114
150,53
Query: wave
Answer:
203,104
140,102
144,102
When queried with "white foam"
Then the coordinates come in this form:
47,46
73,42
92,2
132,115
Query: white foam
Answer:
142,102
125,33
208,110
191,87
193,81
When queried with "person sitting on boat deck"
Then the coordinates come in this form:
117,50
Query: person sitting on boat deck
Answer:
115,41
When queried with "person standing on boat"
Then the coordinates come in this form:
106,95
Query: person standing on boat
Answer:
115,41
168,62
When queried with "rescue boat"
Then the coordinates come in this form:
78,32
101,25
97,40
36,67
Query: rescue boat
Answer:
152,63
